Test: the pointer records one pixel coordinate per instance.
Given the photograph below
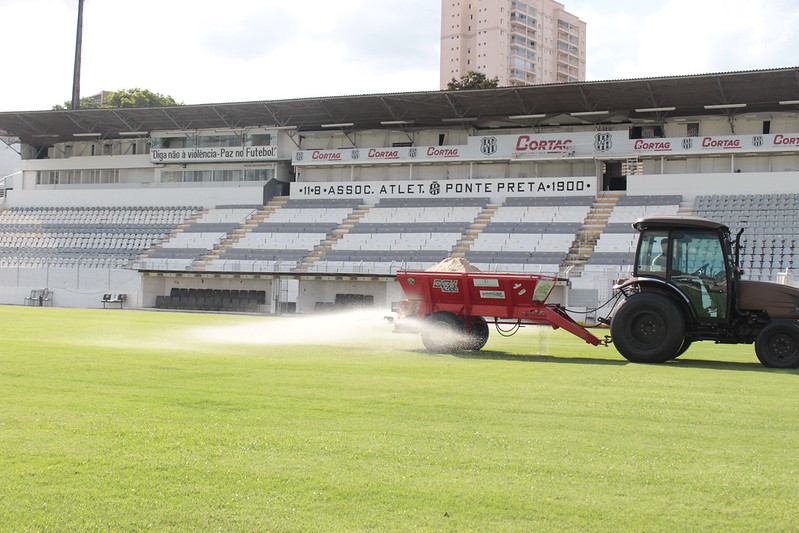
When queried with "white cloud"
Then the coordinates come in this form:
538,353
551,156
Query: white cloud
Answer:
201,51
38,54
677,37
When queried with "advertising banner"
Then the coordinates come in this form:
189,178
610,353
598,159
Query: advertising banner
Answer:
532,146
213,155
473,188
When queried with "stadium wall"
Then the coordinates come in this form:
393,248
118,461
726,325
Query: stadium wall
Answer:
311,293
72,287
302,294
720,183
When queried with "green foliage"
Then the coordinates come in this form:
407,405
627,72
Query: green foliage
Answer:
138,98
473,80
130,420
124,98
87,102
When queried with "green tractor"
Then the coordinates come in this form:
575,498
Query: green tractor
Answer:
687,287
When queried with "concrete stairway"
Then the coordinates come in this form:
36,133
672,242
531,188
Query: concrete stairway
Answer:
251,223
587,236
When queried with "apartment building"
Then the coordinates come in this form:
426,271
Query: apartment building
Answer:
521,42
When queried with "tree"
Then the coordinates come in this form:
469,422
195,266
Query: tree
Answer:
123,98
138,98
87,102
473,80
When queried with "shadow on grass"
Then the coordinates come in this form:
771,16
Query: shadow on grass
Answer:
538,358
682,362
496,355
753,366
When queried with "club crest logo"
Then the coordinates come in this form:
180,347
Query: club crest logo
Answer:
603,141
488,145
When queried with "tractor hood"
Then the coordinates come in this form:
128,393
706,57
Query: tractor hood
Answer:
779,301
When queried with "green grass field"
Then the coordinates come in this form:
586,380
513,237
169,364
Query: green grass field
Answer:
129,420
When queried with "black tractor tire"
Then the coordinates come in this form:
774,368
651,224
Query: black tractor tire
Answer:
476,329
649,327
777,345
684,348
443,332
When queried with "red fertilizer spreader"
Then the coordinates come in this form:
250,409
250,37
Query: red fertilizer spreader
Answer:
453,309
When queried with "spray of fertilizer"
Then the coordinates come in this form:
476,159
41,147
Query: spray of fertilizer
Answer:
362,328
351,328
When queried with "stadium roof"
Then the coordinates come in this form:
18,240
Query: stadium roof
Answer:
634,100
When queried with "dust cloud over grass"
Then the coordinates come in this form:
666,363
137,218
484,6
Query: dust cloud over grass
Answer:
362,328
356,328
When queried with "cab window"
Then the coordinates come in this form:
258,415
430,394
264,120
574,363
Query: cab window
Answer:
652,254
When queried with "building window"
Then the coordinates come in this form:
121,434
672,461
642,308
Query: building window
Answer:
217,175
77,177
259,174
177,141
259,139
217,141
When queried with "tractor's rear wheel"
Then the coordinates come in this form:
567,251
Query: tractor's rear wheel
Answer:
648,328
443,332
777,345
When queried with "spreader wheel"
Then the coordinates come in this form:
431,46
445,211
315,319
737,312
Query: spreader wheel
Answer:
443,332
648,328
476,329
777,345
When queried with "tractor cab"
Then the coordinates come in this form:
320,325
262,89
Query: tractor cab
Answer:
687,287
693,257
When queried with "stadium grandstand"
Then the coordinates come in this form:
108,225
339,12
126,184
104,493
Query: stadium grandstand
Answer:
314,204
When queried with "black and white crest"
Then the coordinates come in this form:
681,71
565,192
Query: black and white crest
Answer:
488,145
687,143
757,141
356,154
435,188
603,141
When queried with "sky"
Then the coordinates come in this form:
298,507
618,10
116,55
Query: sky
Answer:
203,51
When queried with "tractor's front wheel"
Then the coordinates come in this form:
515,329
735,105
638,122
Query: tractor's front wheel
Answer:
777,345
683,348
648,328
